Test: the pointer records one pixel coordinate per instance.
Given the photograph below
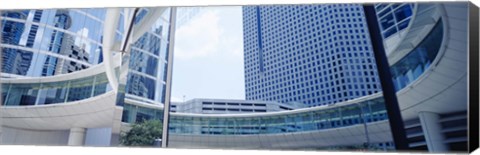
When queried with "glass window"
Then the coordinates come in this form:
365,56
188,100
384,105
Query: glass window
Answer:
16,61
389,32
22,94
142,62
52,93
403,12
387,21
80,89
384,12
101,83
12,32
416,62
403,24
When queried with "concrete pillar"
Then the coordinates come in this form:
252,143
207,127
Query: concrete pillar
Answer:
432,131
76,137
116,126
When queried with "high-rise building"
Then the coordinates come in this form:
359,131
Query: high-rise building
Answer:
314,54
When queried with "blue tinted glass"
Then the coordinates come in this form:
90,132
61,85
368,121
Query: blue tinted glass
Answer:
387,21
403,12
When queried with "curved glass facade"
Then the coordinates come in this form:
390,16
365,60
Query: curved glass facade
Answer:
59,41
312,120
50,42
393,17
148,61
147,76
412,66
20,94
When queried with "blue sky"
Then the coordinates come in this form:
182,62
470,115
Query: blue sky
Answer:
208,57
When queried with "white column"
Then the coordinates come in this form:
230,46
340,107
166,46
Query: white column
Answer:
432,131
109,26
76,137
116,126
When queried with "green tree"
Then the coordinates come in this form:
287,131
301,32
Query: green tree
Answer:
143,133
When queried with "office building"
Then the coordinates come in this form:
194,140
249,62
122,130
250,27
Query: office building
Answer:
230,106
313,54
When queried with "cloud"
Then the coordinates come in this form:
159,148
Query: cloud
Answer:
231,23
233,44
199,37
210,43
176,99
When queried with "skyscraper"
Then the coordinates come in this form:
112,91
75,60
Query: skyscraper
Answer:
314,54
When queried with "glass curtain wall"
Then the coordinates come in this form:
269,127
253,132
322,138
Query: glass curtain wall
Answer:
50,42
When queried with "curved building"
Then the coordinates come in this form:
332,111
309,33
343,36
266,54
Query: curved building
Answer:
50,42
426,47
429,73
66,85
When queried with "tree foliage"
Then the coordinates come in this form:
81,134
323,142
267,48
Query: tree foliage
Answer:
143,133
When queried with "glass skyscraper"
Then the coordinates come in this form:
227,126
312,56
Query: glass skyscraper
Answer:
314,54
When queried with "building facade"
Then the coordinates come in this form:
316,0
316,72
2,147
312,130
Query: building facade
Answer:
230,106
147,75
59,55
313,54
50,42
14,61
